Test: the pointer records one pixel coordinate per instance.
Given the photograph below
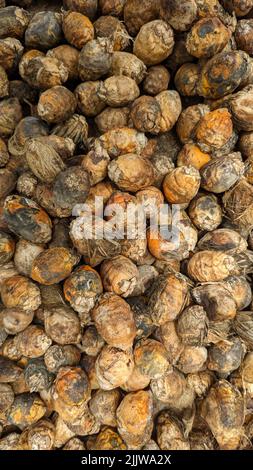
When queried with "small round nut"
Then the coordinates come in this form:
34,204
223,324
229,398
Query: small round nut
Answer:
44,30
113,367
207,37
156,80
52,266
56,104
77,28
154,42
181,185
114,321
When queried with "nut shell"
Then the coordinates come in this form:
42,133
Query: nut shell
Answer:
154,42
114,321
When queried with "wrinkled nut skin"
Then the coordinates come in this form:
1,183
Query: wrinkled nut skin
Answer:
11,51
84,424
86,7
4,83
167,334
243,327
9,371
222,74
52,266
7,248
186,79
45,72
60,356
137,14
74,444
71,386
113,367
179,15
26,68
240,290
225,357
95,59
213,266
44,30
192,359
7,397
10,115
216,300
45,197
43,161
224,399
146,114
181,185
94,251
243,35
238,205
74,128
16,320
71,187
188,122
119,275
88,102
41,435
150,358
205,212
134,418
22,91
154,42
19,291
131,172
171,107
118,91
82,289
157,80
124,63
26,410
95,163
112,28
29,127
92,342
169,388
114,321
192,325
33,342
137,381
223,240
37,377
77,28
108,439
207,37
62,325
168,297
56,104
221,173
170,251
241,8
170,435
4,154
69,56
191,155
13,22
241,108
112,118
121,141
214,130
103,405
